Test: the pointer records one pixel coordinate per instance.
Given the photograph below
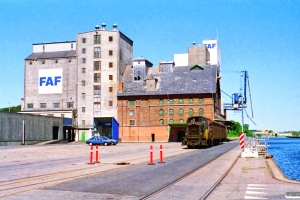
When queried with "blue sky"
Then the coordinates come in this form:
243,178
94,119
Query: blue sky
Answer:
261,37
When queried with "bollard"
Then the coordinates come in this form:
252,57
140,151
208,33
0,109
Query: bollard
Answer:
242,140
161,155
91,156
151,156
97,161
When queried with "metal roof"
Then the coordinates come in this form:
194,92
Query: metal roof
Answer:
55,54
182,80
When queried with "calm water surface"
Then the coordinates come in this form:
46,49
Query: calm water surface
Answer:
286,152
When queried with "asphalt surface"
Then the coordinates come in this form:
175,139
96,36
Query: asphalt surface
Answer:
141,180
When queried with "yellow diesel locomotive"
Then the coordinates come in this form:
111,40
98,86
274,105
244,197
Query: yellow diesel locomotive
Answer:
202,131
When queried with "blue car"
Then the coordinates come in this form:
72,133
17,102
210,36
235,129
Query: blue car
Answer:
98,140
113,141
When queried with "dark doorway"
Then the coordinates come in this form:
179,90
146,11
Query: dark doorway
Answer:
180,136
55,132
152,137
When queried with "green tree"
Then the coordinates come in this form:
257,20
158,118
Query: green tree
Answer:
11,109
235,129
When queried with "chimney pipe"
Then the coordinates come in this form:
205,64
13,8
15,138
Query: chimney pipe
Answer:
114,26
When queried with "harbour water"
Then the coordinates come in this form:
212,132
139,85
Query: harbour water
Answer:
286,153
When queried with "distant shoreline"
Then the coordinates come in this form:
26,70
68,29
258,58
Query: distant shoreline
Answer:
292,136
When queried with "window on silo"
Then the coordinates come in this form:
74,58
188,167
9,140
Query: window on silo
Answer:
97,39
97,89
97,65
56,105
43,105
97,52
97,77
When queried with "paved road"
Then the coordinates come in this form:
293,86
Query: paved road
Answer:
141,180
131,182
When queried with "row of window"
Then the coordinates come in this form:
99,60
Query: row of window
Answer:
97,53
161,122
55,105
97,79
48,61
171,112
97,67
181,101
97,39
171,101
97,106
181,112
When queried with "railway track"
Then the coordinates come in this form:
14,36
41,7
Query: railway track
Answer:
30,175
155,195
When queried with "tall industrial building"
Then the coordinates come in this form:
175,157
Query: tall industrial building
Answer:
78,80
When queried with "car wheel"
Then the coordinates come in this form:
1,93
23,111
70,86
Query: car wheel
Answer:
91,144
114,143
105,144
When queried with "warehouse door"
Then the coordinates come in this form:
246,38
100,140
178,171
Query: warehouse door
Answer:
55,132
180,136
